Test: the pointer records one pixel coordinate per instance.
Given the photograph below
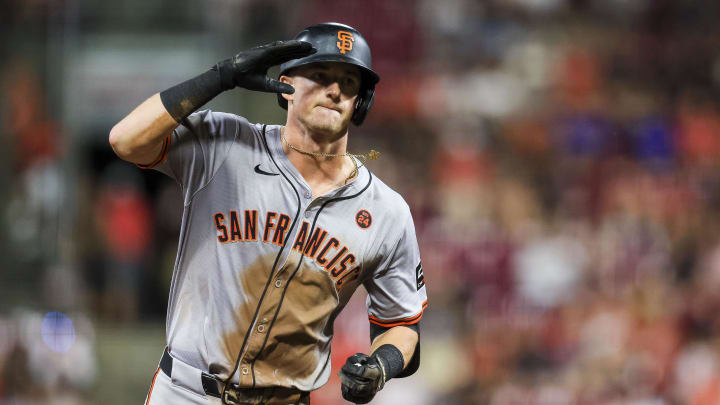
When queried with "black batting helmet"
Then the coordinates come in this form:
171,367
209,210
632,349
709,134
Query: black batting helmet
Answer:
339,43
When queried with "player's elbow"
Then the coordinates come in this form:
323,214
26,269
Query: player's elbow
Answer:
127,144
118,142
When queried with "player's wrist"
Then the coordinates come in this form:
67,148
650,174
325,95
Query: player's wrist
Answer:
391,361
226,73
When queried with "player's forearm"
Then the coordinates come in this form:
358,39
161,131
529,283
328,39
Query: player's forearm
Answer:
139,137
405,339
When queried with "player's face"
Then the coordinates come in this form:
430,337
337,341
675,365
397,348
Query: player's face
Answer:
324,98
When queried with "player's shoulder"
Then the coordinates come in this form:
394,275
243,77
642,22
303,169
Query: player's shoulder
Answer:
208,116
391,201
212,124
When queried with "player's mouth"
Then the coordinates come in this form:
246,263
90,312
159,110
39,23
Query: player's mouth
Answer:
330,108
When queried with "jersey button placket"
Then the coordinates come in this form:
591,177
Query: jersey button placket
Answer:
309,210
258,333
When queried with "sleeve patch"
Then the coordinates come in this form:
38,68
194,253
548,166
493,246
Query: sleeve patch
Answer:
419,276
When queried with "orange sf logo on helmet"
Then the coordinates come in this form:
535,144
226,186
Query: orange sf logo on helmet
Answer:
346,41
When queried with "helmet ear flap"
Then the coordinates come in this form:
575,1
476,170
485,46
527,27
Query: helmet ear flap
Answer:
362,105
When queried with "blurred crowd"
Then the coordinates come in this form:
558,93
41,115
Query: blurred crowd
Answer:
560,158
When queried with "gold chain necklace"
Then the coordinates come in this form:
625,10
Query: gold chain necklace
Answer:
372,155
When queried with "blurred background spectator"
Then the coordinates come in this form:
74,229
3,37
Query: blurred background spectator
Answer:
560,158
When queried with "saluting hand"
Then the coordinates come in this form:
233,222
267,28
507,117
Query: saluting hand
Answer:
248,69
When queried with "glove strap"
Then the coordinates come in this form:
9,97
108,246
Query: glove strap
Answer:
391,361
383,372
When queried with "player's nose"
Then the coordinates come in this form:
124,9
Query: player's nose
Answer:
333,89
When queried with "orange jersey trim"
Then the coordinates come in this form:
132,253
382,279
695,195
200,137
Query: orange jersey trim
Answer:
152,386
399,322
161,157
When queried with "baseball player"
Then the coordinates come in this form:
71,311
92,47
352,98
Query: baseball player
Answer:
280,226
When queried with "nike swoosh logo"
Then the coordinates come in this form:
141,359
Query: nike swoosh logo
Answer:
258,170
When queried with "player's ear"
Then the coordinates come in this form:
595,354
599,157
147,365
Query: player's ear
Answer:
288,80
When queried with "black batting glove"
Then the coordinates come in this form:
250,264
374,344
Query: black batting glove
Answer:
362,377
248,69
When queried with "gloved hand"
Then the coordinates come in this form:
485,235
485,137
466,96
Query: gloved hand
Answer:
362,377
248,69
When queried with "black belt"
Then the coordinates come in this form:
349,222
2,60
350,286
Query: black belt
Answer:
209,382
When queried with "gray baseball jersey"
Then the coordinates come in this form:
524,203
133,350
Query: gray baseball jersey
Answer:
263,268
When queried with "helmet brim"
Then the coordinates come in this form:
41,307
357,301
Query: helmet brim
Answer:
370,77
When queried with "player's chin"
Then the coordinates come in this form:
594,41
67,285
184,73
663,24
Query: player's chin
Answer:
325,125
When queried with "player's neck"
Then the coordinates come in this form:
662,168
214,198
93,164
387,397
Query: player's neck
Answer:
321,160
305,139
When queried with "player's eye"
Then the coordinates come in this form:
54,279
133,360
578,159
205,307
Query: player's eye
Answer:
318,76
350,85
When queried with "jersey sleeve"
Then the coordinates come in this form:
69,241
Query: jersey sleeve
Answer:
396,291
197,148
